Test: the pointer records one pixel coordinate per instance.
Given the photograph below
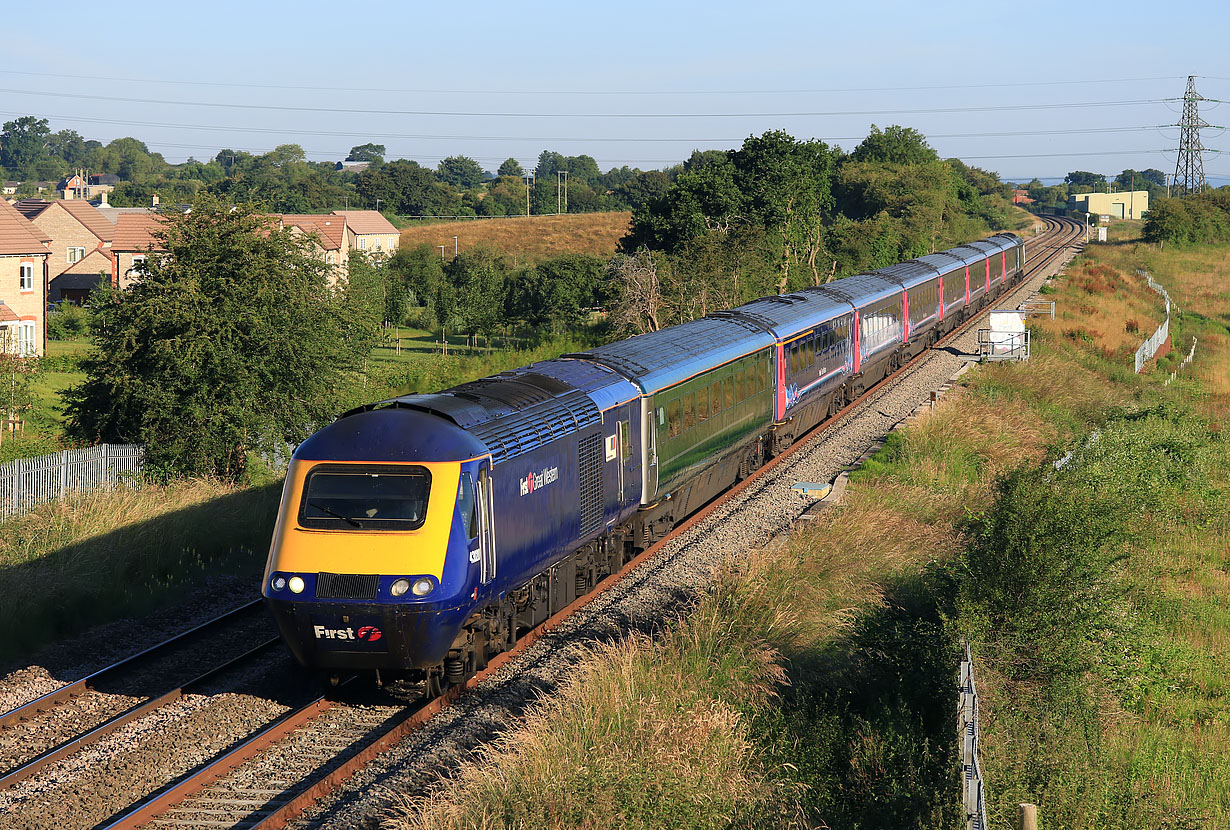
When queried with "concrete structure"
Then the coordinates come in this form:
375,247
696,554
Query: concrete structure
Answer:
1132,204
23,284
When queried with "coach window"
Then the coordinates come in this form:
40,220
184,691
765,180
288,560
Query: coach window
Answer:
715,398
728,391
674,418
689,411
702,404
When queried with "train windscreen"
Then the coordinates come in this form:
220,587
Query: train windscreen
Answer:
346,498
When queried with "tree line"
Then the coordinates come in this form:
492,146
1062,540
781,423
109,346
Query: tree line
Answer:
1193,219
286,182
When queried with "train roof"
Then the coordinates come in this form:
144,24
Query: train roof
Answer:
859,290
661,359
951,260
520,410
790,314
908,274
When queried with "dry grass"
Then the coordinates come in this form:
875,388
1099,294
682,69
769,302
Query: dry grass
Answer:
527,240
101,556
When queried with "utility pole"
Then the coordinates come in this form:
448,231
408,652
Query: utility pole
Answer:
528,178
561,207
1189,167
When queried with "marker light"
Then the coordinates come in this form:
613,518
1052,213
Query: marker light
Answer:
422,587
399,588
296,584
278,583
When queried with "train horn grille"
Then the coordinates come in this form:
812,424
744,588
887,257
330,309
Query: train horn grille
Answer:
347,586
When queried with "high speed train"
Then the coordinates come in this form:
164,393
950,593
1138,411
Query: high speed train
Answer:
418,536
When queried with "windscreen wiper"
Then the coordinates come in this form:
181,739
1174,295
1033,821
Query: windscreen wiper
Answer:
347,519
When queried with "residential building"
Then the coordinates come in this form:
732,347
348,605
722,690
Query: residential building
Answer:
1021,197
100,184
23,283
77,230
327,231
369,231
1133,204
10,188
73,187
132,243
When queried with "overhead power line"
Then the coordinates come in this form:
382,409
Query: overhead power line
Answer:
623,115
595,92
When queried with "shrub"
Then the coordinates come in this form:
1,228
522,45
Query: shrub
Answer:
68,322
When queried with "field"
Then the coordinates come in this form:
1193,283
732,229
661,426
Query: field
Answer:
527,240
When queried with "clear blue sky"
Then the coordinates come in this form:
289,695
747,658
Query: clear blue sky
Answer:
638,83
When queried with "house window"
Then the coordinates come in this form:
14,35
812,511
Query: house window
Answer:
362,243
25,339
75,255
138,263
328,257
26,270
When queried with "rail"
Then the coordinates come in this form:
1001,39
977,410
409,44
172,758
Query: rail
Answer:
27,481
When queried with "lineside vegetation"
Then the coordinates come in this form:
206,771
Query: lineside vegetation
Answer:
1093,598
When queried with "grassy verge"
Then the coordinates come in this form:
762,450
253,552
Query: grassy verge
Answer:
110,554
1095,598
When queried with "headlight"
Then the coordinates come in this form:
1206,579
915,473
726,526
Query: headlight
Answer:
278,583
399,588
422,587
296,584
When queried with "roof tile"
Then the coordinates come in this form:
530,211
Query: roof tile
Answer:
134,232
366,221
17,234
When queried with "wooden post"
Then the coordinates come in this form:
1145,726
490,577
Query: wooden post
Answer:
1027,817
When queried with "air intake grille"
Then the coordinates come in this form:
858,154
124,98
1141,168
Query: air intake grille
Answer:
347,586
589,466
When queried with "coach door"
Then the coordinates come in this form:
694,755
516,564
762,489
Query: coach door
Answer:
486,528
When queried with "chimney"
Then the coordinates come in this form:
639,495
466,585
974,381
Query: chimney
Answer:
154,200
102,199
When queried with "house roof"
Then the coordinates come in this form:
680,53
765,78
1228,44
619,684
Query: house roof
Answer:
326,226
88,215
30,208
134,232
7,315
363,222
17,234
93,262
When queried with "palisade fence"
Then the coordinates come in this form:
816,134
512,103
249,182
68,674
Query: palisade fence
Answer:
1149,348
27,481
972,795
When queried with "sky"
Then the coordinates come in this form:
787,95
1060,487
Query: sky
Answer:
1023,89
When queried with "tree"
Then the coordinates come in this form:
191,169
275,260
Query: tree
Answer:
421,270
462,172
232,341
510,167
638,292
23,143
477,277
895,145
1083,181
366,152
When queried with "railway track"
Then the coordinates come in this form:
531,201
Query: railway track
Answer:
222,794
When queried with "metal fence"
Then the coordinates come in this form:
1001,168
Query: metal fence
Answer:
27,481
1149,348
972,796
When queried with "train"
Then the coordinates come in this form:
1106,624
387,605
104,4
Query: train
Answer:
420,536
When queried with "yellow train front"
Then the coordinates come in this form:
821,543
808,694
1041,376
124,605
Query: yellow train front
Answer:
371,565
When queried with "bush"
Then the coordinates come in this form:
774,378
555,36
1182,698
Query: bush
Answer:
68,322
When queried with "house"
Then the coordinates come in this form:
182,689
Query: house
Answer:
132,243
369,231
352,166
9,188
73,187
327,231
77,230
23,284
100,184
1021,197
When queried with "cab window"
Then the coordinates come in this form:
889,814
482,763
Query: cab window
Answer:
467,505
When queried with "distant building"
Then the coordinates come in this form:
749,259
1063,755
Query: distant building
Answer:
9,188
1021,197
80,236
1132,204
73,187
370,232
352,166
